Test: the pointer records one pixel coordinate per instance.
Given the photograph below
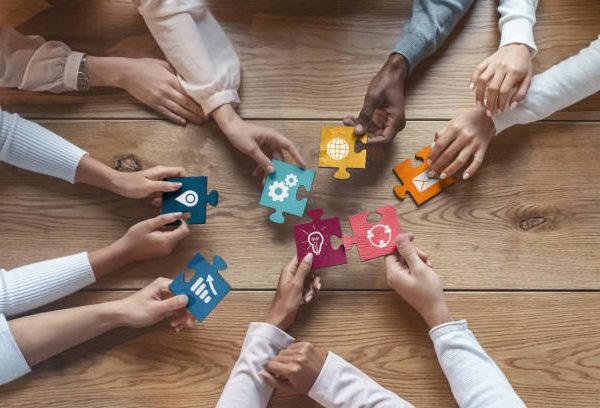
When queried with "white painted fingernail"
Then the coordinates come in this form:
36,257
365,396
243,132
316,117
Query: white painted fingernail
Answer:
466,176
443,176
471,86
308,258
308,298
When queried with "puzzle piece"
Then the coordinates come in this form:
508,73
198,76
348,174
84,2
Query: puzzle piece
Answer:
206,288
373,239
315,237
337,150
281,188
191,197
416,182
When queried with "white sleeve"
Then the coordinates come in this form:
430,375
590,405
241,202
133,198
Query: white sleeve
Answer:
27,145
476,381
197,47
517,18
12,362
31,286
30,63
341,385
245,388
560,86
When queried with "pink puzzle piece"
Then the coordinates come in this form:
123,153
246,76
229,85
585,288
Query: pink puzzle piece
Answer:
373,239
315,237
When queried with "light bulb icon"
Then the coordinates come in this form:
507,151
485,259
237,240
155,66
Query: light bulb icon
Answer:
188,198
315,240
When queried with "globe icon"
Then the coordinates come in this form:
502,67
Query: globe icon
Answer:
337,148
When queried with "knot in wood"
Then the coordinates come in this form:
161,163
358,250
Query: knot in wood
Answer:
531,222
128,162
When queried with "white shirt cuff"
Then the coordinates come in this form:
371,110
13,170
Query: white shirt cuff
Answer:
12,362
519,30
273,334
445,328
71,72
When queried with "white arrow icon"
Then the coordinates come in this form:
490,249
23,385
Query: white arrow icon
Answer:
210,281
188,198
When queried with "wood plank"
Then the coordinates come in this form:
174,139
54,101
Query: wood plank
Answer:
525,221
301,60
550,361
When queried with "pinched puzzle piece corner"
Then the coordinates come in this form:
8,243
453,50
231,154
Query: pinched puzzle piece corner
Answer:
206,288
415,180
336,149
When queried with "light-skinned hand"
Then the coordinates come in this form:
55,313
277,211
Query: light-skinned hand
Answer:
382,114
147,183
297,286
416,282
463,141
295,369
503,78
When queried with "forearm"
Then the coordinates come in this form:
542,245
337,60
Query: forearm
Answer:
245,387
341,385
560,86
94,173
475,380
44,335
431,23
517,18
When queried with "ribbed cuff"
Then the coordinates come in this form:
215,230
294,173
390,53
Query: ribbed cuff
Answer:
12,362
412,47
27,145
273,334
71,72
439,331
518,30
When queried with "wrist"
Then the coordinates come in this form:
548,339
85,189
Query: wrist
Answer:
90,171
437,315
279,319
227,118
110,258
113,315
398,66
105,71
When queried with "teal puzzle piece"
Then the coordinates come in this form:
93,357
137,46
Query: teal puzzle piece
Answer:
281,188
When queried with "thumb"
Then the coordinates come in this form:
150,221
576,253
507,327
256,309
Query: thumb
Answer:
408,251
164,186
364,117
304,267
172,304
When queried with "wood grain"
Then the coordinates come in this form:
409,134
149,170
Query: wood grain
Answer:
549,361
529,219
301,59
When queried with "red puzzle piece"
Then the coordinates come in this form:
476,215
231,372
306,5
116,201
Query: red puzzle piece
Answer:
315,237
373,239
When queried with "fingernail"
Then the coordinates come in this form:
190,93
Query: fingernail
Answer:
319,285
176,184
308,298
432,144
182,299
513,105
471,86
270,169
443,176
428,162
431,173
478,104
176,214
488,112
308,258
466,176
499,110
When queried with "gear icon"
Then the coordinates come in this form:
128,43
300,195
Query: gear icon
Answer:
278,191
291,180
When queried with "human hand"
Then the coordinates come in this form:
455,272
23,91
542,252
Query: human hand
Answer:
295,369
147,183
503,78
151,81
152,304
259,142
468,135
148,239
382,114
411,276
297,286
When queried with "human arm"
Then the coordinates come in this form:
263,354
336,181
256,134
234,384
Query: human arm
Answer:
34,285
475,380
41,336
382,115
502,79
246,385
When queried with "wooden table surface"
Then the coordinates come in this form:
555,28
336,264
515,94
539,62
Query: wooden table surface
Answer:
517,246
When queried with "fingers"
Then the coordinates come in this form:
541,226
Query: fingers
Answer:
350,121
179,110
161,220
364,117
476,73
172,304
521,92
165,186
162,172
459,162
183,99
169,115
261,159
506,88
493,89
481,85
443,140
296,155
275,383
278,368
182,231
475,164
304,268
407,251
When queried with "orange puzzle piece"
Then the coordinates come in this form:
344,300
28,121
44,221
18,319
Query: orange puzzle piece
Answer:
415,180
337,150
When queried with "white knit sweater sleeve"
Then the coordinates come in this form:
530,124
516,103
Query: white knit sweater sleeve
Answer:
245,388
560,86
12,362
476,381
517,18
30,63
197,47
341,385
31,286
29,146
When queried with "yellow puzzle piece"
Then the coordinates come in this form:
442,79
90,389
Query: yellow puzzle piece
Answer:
337,150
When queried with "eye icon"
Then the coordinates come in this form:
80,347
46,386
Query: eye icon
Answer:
188,198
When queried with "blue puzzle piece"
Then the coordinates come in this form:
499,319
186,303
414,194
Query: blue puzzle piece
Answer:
206,288
191,198
281,188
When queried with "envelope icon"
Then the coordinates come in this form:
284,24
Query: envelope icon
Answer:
422,182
